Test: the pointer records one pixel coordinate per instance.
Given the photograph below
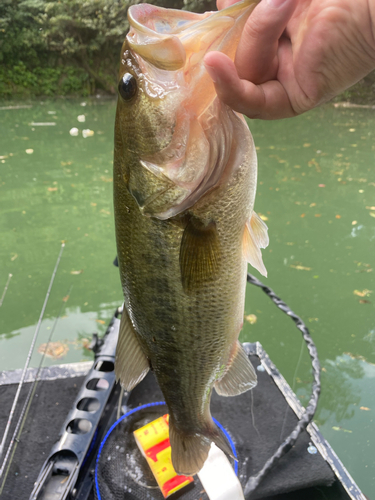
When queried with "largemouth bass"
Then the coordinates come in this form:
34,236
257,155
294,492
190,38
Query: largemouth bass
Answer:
185,173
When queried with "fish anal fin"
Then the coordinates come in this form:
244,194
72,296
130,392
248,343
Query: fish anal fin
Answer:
190,451
131,364
255,237
239,377
200,254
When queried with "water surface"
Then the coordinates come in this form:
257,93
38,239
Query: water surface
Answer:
317,194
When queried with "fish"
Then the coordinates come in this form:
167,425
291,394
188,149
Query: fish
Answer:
185,174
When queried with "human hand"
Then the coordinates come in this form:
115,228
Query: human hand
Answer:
295,55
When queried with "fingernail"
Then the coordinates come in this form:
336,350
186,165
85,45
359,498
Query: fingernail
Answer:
276,3
212,72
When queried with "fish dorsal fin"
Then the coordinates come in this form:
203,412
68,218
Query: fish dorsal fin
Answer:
240,375
255,237
200,254
131,364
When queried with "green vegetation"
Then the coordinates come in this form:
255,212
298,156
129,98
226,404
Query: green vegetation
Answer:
71,47
65,47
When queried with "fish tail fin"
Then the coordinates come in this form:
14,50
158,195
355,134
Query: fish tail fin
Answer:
190,451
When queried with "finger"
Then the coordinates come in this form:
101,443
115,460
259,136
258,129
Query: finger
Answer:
268,101
256,54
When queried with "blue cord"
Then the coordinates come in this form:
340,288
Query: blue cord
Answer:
226,434
159,403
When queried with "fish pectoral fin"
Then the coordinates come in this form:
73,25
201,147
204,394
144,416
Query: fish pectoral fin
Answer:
190,451
131,364
240,376
255,237
200,254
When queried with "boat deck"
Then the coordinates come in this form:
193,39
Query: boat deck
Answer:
257,421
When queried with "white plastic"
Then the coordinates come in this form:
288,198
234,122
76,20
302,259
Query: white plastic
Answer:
218,477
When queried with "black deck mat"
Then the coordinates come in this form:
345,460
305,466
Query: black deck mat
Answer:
52,401
254,420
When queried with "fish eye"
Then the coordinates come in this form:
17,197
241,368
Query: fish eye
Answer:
127,87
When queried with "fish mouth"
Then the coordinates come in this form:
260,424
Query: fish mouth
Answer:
169,39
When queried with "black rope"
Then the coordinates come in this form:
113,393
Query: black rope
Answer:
307,417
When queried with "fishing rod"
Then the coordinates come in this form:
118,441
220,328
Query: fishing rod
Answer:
25,410
11,414
5,289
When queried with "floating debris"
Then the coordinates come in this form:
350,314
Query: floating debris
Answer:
74,132
301,268
87,133
251,318
341,429
77,272
364,293
42,124
55,350
81,118
29,151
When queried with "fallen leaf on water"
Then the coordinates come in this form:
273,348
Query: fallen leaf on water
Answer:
55,350
365,408
86,343
52,189
372,214
341,429
263,217
251,318
370,208
318,215
106,212
87,133
93,204
354,222
338,216
364,293
14,256
312,205
100,321
322,185
106,179
66,298
76,272
306,145
303,215
301,268
363,301
29,151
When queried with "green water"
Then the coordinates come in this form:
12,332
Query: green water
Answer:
316,188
